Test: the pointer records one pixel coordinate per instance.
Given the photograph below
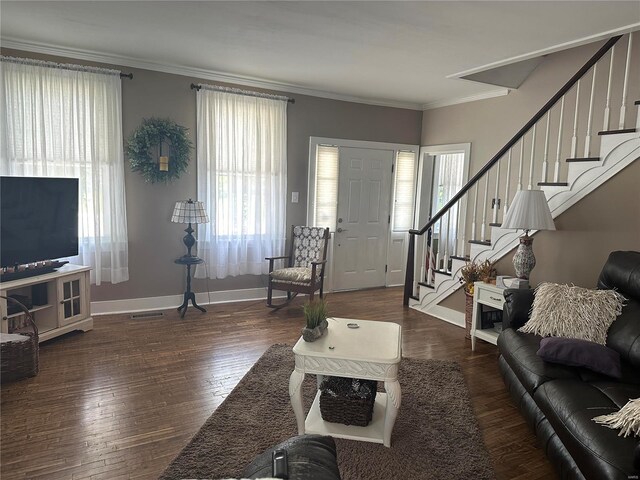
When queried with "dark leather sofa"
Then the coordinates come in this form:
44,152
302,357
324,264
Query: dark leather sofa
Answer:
309,457
559,401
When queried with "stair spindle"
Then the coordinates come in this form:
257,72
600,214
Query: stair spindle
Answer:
607,108
574,139
439,249
587,141
475,213
520,165
623,108
496,200
533,155
556,173
545,157
447,241
507,183
429,260
460,227
484,210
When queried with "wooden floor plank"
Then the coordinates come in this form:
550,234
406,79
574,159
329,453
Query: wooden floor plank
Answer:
122,400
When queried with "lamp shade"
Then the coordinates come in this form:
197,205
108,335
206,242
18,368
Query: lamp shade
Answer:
188,211
529,211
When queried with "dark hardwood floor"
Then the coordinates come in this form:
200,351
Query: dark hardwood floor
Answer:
122,400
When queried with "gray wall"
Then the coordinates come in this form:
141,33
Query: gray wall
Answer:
608,219
153,240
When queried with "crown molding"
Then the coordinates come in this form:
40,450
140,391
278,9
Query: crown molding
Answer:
501,92
546,51
205,74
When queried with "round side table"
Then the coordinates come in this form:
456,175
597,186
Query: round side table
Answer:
189,260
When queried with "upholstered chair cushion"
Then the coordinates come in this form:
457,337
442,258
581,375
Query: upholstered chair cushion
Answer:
297,275
308,245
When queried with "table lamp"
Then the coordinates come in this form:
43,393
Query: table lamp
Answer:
189,212
529,211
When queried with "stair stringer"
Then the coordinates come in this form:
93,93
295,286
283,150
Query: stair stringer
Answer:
616,153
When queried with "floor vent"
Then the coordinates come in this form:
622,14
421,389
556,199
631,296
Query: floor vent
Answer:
145,315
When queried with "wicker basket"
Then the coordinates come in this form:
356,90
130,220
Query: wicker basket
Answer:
468,314
347,400
19,359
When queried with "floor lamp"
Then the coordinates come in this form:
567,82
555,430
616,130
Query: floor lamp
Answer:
188,211
529,211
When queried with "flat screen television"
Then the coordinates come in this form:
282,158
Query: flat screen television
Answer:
38,219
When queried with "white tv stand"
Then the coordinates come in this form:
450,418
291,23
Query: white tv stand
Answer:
64,303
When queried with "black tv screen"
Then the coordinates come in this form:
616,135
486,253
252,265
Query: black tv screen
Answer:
38,219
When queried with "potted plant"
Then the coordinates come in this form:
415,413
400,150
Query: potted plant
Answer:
469,274
315,314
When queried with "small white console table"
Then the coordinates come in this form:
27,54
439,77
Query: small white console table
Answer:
373,352
61,301
491,296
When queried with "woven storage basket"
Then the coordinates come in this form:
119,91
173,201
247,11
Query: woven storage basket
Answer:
19,359
468,314
347,400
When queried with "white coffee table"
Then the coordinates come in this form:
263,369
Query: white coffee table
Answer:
371,352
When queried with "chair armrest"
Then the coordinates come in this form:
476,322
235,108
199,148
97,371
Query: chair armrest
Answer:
273,259
277,258
517,305
319,263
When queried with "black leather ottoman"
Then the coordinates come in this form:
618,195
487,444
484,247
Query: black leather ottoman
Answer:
310,457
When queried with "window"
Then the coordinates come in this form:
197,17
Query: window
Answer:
404,191
66,121
448,179
242,180
326,192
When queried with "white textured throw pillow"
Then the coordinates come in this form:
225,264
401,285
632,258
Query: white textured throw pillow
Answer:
573,312
627,419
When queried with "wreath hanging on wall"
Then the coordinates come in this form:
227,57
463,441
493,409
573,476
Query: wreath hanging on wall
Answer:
159,149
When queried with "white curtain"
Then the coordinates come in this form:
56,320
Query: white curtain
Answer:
242,180
67,122
448,177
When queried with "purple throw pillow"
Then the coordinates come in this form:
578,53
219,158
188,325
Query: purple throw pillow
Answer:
581,353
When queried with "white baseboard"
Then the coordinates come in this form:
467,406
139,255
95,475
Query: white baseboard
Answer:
131,305
446,314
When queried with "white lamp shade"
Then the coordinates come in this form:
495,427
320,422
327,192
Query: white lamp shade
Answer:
529,211
188,211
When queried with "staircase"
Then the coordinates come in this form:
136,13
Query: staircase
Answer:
558,151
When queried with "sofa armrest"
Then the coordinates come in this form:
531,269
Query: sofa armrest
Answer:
517,305
310,457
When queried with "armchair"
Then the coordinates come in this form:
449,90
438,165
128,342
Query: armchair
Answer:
304,270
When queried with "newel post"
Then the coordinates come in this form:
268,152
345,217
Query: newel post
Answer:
408,277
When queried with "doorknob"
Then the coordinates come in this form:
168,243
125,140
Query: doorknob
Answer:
340,230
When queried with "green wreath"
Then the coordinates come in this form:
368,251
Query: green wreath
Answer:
156,136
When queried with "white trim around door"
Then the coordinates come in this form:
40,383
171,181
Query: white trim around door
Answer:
397,240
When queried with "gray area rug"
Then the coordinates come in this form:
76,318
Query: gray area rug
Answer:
436,435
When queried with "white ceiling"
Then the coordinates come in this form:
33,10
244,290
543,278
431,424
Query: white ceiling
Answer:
396,53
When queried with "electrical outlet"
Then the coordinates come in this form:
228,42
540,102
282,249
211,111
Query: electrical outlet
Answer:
295,196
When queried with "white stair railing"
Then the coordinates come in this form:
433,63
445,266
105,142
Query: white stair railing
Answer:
451,239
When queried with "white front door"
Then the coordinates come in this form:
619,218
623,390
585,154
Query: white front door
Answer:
360,243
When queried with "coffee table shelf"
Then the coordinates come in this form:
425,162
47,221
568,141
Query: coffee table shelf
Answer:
374,432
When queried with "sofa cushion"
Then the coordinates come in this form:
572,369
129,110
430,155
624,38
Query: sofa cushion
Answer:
573,312
570,405
581,353
622,272
520,352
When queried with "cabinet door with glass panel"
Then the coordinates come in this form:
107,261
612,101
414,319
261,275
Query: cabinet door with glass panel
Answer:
73,297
